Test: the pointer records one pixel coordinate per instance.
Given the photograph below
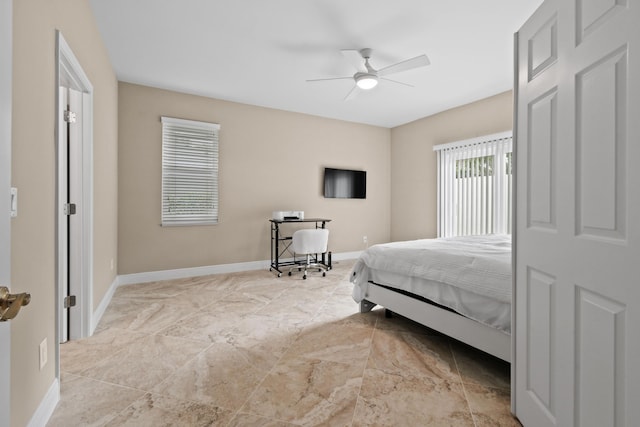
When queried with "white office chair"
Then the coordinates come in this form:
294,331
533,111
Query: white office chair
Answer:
312,241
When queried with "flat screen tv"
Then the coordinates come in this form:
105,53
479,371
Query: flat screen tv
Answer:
345,184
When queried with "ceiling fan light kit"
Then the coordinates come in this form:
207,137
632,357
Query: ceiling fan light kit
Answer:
367,77
366,81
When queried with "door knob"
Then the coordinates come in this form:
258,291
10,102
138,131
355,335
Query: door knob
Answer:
10,304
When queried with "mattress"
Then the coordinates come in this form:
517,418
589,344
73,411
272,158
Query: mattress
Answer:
470,275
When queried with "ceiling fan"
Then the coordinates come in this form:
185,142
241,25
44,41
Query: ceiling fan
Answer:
367,77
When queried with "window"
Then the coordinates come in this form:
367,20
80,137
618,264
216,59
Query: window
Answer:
475,186
189,172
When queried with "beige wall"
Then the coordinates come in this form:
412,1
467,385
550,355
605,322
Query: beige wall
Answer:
272,160
33,172
413,161
269,160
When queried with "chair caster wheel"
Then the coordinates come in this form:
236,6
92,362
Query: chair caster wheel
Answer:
289,273
304,277
279,274
324,274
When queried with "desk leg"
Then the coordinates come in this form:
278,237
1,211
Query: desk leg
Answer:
276,243
275,248
326,259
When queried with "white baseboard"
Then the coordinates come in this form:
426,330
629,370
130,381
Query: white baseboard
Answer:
102,307
152,276
180,273
48,404
343,256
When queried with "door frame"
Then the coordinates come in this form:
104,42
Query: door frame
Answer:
69,73
6,68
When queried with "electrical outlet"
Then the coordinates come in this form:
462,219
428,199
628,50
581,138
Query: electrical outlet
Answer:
43,353
364,239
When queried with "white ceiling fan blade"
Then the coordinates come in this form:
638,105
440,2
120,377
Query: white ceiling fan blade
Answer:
330,78
408,64
355,59
353,93
395,81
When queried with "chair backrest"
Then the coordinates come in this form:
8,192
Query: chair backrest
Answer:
310,241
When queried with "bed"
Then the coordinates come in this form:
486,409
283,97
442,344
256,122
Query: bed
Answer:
459,286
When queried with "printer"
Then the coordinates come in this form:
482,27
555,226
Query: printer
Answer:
288,215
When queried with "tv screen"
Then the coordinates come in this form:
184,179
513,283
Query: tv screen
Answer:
345,184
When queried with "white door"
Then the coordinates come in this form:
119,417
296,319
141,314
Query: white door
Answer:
70,231
577,237
5,184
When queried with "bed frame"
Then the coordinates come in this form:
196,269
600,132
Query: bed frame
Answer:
476,334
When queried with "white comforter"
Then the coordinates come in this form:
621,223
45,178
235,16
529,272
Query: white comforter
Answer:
478,264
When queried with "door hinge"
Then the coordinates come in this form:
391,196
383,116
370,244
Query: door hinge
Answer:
69,116
70,301
69,208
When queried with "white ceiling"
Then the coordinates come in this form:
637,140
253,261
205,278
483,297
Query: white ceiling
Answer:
260,52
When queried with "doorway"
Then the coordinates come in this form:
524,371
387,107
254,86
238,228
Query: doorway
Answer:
74,213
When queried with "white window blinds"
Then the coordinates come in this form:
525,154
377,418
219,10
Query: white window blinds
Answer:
189,172
475,186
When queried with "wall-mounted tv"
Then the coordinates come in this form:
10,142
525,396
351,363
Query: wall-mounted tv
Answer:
345,184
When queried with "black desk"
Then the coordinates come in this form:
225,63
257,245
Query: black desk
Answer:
277,240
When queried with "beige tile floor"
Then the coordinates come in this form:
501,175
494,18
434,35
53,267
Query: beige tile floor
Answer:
251,349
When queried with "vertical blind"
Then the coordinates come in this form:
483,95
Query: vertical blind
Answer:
475,183
189,172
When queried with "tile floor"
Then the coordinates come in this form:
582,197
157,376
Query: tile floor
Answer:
251,349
